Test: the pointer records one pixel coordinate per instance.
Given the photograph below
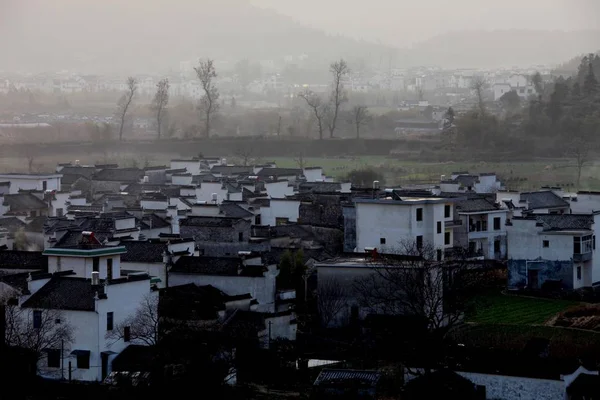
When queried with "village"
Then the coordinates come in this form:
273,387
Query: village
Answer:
101,265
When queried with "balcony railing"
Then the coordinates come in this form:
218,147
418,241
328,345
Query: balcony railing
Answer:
455,223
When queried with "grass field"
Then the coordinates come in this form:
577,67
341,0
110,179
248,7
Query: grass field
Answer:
527,175
516,310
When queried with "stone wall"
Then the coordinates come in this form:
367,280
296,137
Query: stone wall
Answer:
556,270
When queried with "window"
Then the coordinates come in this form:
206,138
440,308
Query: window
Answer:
281,221
419,242
447,211
579,273
496,246
582,245
126,334
37,319
44,186
439,227
53,358
546,243
96,264
381,240
497,223
257,219
83,360
240,236
109,268
447,238
419,214
59,212
110,318
58,264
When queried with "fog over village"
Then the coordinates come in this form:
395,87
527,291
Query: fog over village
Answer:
273,199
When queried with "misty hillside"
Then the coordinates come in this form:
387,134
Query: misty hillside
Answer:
101,36
504,48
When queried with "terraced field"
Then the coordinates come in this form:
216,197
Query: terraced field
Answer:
515,310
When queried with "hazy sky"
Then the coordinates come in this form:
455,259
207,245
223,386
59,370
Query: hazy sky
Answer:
404,22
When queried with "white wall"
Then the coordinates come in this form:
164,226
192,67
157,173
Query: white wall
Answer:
280,209
181,179
526,243
125,223
397,223
206,189
585,203
83,267
192,167
59,202
279,190
262,288
313,174
205,210
153,269
154,204
30,183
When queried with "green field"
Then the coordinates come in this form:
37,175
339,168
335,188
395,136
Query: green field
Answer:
515,310
526,175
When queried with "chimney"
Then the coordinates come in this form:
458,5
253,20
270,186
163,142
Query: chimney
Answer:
95,278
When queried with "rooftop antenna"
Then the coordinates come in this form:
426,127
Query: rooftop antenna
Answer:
375,186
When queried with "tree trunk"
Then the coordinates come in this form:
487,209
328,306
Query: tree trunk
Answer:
358,131
207,125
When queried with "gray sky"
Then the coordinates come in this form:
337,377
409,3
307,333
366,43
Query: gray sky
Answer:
404,22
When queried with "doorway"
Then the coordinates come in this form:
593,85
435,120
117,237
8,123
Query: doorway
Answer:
533,279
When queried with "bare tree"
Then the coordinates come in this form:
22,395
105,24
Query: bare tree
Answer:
416,284
244,153
478,85
125,102
332,300
141,327
300,160
279,126
579,150
338,95
37,330
319,110
160,102
209,103
359,117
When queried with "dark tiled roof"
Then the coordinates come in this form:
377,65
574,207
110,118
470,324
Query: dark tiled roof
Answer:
36,225
477,205
119,175
230,170
24,202
265,172
293,231
11,223
565,222
17,281
320,187
62,293
153,221
135,358
73,238
543,199
235,211
86,172
12,259
211,222
226,266
140,251
337,376
69,179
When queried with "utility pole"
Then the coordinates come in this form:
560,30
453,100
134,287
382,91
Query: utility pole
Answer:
62,360
270,323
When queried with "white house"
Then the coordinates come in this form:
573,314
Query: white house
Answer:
86,290
280,212
32,182
386,224
548,247
482,227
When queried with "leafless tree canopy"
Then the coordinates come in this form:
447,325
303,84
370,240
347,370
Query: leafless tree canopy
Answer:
209,103
125,102
317,107
359,117
332,300
244,154
142,325
478,85
414,284
53,331
160,102
338,95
